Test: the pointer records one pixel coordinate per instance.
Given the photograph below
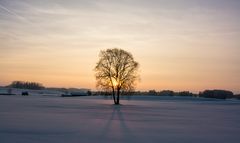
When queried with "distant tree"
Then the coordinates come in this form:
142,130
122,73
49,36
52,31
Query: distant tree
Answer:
152,92
219,94
184,93
116,71
166,93
26,85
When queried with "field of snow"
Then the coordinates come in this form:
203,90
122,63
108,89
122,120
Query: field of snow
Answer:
46,119
31,92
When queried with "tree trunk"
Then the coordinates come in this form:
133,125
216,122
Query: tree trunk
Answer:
113,94
118,92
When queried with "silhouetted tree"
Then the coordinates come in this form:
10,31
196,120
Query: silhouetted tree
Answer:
219,94
166,93
116,71
152,92
26,85
184,93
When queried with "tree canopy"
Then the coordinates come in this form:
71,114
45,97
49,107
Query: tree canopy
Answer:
116,71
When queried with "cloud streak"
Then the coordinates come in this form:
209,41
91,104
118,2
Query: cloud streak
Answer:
11,12
180,41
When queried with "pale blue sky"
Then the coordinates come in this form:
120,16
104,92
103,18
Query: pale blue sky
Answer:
180,44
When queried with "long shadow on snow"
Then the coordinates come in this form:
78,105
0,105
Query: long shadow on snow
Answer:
116,127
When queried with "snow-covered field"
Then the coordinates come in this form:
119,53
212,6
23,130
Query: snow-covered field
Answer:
31,92
45,119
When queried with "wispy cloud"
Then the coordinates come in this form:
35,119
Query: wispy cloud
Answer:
173,33
11,12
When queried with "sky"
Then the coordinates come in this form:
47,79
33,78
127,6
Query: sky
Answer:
180,44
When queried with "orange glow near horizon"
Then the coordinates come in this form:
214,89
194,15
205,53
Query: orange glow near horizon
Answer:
179,45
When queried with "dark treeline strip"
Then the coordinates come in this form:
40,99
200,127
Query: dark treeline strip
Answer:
26,85
216,93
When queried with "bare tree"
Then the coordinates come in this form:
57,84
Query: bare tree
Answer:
116,71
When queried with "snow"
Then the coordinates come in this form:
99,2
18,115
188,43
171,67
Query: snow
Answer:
38,119
17,91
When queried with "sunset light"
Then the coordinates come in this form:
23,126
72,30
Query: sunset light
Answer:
119,71
180,44
115,83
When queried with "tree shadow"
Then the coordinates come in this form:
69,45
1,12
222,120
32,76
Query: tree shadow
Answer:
116,127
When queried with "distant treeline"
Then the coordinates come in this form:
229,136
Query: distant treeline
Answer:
26,85
219,94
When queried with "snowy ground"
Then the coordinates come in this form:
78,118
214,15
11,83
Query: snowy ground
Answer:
44,119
